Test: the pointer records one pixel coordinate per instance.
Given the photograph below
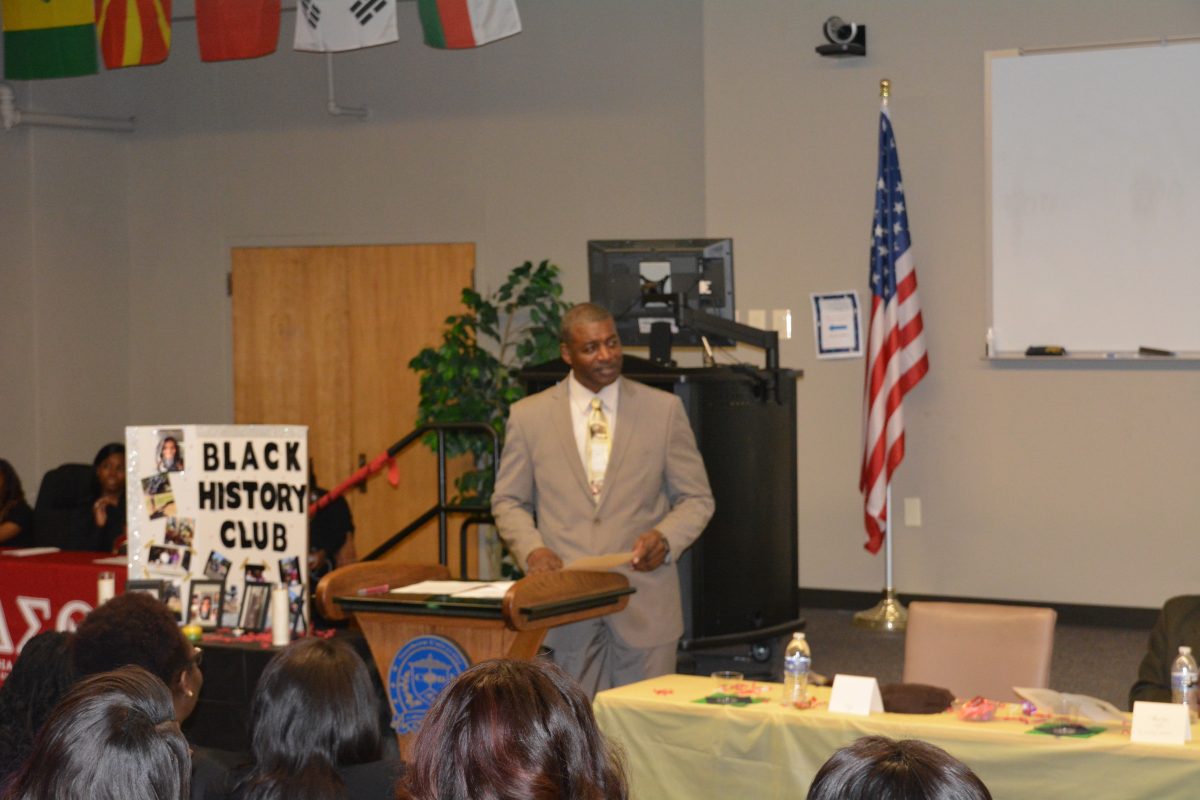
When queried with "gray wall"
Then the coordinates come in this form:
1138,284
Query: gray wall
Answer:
603,119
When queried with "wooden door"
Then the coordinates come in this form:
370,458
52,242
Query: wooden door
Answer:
322,337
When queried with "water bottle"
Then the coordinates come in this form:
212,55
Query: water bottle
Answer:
797,660
1183,681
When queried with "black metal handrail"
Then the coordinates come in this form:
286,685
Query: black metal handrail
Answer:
442,509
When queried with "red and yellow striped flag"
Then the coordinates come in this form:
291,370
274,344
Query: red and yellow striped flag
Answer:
134,32
48,38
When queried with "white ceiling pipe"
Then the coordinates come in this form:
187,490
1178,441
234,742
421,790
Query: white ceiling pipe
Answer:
11,116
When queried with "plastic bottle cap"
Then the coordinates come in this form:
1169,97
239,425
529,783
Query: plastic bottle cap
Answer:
1185,650
799,635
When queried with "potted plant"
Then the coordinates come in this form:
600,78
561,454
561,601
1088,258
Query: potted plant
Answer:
472,375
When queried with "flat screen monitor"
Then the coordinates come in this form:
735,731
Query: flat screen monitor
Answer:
621,272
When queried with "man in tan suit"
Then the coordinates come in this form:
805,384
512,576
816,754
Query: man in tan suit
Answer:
599,464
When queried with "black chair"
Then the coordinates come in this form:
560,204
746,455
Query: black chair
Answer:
63,504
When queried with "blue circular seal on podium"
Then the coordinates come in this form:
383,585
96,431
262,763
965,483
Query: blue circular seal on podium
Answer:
419,672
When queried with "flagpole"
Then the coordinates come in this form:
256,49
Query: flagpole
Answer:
889,613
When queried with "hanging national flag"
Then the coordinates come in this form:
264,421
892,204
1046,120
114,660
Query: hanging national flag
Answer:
232,29
335,25
896,358
48,38
455,24
134,32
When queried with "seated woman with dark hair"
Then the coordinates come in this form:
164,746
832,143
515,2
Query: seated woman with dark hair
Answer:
113,736
138,629
512,729
101,526
40,677
878,768
16,517
314,728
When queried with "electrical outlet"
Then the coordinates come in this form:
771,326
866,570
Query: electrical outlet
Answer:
912,512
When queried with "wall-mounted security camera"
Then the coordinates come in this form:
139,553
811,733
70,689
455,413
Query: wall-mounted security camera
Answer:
845,38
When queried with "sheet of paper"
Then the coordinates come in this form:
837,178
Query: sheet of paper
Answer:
436,587
21,552
855,694
836,325
601,563
115,561
1160,723
487,591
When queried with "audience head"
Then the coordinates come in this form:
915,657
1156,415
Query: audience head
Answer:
40,677
878,768
11,492
512,729
109,465
113,736
314,710
136,628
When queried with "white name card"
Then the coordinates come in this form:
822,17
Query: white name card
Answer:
1160,723
855,694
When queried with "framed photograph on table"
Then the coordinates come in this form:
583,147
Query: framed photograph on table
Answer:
256,603
205,603
152,588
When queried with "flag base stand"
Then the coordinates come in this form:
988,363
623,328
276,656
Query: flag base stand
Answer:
887,615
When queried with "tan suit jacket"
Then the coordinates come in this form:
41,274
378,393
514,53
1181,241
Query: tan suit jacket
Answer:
655,479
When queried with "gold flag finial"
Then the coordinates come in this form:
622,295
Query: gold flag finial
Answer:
885,88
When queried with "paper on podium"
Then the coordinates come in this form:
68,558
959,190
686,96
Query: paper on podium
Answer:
601,563
436,587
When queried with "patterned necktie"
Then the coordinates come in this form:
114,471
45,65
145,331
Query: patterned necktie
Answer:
597,448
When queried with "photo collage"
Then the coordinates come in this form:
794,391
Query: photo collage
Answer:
180,555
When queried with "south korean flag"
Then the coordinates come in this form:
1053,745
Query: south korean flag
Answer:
334,25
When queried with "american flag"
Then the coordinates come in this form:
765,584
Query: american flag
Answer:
896,358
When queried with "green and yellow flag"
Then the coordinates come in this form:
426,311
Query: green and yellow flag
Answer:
48,38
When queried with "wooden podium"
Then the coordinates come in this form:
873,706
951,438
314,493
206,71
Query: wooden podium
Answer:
513,626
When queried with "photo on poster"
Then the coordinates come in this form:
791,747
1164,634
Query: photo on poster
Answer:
166,557
230,607
152,588
205,603
170,450
255,573
172,596
296,607
255,605
160,499
289,570
217,567
180,530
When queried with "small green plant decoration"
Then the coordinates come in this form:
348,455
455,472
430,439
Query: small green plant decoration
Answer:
472,375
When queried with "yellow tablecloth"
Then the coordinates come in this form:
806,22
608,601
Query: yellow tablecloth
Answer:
677,748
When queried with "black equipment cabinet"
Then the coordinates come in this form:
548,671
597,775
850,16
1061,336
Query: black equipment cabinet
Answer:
740,581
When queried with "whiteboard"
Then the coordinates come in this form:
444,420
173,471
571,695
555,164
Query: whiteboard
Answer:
1094,199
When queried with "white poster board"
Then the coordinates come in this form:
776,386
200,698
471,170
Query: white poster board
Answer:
218,515
1094,193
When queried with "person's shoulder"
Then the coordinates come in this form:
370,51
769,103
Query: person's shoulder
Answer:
639,392
372,779
539,400
1184,605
